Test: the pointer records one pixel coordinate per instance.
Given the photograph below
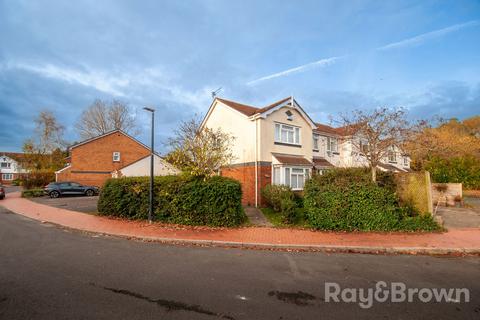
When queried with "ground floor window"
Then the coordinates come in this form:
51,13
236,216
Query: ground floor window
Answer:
291,176
7,176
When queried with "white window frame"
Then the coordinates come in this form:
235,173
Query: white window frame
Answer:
285,175
7,165
405,161
331,140
392,157
316,138
7,176
116,156
281,128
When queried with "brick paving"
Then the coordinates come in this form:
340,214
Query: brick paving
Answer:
454,241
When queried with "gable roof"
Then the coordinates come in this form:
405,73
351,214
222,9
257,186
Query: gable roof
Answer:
17,156
107,134
243,108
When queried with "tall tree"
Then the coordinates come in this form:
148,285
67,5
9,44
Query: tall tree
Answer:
45,151
200,151
101,117
376,133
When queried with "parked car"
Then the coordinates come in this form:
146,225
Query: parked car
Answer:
57,189
2,192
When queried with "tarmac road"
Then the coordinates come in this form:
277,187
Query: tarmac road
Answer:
47,272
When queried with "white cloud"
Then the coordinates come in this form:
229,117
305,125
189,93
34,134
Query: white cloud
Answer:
427,36
316,64
134,84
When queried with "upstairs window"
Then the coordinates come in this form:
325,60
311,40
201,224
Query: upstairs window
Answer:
116,156
5,165
405,161
332,144
287,134
315,141
392,157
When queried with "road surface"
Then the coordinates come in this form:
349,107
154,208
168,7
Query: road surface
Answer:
51,273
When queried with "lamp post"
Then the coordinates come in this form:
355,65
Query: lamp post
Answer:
150,208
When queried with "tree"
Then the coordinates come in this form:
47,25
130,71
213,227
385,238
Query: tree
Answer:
45,150
101,117
200,151
376,133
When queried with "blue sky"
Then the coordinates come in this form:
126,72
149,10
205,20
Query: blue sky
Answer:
333,56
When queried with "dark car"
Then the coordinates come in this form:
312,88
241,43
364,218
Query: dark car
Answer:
57,189
2,192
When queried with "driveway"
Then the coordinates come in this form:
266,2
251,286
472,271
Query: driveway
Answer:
75,203
459,217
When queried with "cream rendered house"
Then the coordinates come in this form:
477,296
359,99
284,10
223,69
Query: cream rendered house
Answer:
281,144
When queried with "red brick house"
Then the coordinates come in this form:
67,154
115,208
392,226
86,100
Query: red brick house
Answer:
93,161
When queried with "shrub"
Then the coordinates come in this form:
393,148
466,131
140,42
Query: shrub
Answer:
282,200
465,170
353,202
215,201
37,179
31,193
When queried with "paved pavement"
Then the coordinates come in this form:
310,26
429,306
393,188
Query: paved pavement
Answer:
256,217
74,203
453,241
51,273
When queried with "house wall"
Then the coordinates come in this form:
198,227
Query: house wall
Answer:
141,168
245,174
267,135
239,126
15,170
92,162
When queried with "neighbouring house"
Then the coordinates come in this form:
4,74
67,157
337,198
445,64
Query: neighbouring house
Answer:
281,144
10,167
115,153
141,168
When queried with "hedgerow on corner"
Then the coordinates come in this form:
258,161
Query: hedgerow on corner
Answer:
347,200
214,201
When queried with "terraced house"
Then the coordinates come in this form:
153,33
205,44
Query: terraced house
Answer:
281,144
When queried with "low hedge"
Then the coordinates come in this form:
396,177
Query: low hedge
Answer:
215,201
32,193
352,202
282,200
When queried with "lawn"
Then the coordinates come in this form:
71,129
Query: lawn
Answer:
278,221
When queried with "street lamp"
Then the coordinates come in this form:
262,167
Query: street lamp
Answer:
150,208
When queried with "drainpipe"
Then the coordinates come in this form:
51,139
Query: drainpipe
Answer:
256,163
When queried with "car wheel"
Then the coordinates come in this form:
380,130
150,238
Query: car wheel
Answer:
3,197
89,193
54,194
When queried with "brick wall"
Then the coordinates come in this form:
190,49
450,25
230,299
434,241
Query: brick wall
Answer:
92,163
246,175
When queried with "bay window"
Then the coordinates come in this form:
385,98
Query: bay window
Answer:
287,134
294,177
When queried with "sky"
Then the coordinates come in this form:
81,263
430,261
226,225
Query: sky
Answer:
332,56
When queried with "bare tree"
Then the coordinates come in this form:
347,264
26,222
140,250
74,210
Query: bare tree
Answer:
101,117
200,151
376,133
46,149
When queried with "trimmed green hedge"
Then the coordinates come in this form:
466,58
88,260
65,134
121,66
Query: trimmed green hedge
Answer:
282,200
346,199
215,201
32,193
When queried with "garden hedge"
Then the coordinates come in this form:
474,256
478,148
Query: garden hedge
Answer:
215,201
346,199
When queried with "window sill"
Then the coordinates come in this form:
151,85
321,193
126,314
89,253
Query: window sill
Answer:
334,153
394,162
288,144
316,150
